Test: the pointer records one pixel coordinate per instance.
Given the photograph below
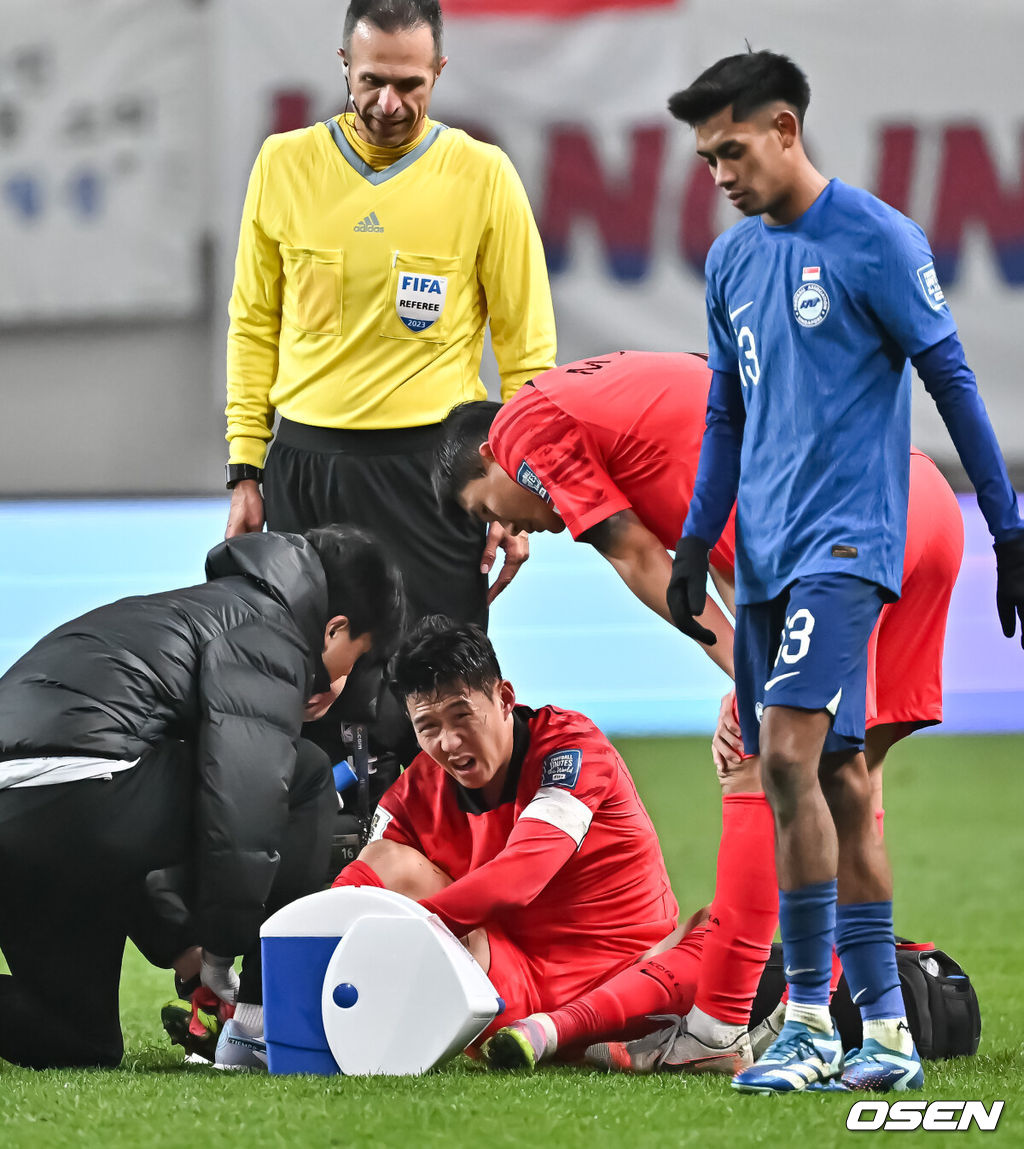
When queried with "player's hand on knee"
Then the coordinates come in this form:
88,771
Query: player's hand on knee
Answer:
245,515
218,974
727,743
688,588
1010,585
517,551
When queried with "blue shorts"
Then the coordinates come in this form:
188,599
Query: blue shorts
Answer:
808,649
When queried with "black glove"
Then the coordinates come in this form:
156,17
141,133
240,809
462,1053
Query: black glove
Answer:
1010,585
688,588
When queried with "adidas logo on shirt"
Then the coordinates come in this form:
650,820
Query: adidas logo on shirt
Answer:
370,223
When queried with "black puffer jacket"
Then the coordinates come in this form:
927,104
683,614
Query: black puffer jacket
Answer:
226,667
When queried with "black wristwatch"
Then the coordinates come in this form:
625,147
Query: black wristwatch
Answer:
236,472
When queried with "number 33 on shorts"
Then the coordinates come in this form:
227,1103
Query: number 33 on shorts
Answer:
796,638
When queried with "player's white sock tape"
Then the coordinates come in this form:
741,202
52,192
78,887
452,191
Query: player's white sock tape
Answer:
249,1018
816,1017
892,1032
550,1033
710,1030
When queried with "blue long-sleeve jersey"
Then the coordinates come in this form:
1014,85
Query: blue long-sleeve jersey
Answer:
812,328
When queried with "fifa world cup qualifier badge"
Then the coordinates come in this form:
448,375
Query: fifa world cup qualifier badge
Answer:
527,478
810,300
562,769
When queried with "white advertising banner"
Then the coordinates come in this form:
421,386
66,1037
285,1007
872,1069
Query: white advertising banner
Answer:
916,102
102,153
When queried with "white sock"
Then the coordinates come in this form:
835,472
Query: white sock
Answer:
816,1017
550,1034
709,1030
249,1019
892,1032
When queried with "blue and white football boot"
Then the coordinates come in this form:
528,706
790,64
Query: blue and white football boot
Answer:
882,1070
800,1057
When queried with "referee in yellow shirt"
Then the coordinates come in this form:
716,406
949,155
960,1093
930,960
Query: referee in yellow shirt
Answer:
374,249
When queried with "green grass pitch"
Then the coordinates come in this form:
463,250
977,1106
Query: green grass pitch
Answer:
953,813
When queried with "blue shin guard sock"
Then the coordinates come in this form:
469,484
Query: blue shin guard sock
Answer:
887,1061
864,942
807,921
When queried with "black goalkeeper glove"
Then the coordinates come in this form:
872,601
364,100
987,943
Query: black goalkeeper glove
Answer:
688,588
1010,585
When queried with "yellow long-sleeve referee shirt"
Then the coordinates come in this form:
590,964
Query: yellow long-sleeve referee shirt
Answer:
361,296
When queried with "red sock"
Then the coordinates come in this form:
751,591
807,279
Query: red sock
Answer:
837,973
357,874
744,913
621,1006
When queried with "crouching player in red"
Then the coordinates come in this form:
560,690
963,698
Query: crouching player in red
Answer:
608,448
523,831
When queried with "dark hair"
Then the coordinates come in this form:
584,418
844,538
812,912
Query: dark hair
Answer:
441,656
395,16
747,82
362,584
457,454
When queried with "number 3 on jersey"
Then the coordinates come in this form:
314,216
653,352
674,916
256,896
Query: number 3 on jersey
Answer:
750,368
796,638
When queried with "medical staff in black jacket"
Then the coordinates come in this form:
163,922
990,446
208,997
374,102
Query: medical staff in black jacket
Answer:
157,736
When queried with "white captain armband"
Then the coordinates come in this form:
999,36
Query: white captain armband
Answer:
562,810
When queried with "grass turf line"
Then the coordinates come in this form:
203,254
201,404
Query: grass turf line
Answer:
952,826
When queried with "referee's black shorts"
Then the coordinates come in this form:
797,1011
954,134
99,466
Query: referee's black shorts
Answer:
380,480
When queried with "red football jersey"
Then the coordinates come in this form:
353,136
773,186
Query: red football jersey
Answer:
610,433
584,868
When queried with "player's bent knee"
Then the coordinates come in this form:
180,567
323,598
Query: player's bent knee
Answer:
790,752
404,869
845,779
782,776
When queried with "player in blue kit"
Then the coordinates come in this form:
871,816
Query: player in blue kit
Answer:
818,302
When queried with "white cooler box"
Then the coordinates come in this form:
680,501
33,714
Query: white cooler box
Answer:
359,980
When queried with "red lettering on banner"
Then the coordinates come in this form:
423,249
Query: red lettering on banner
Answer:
290,110
897,155
697,229
623,208
970,192
553,9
